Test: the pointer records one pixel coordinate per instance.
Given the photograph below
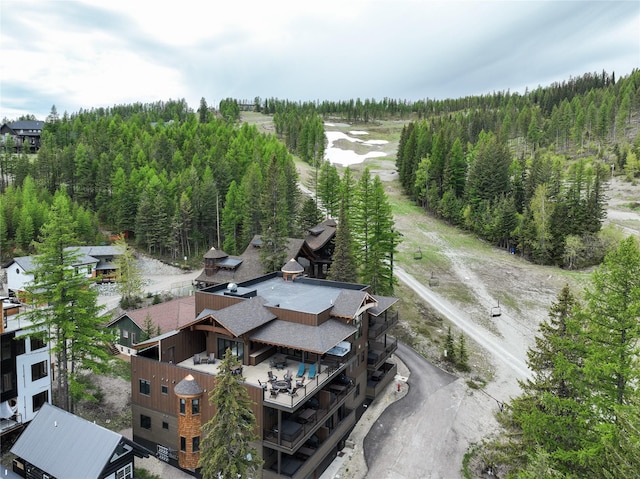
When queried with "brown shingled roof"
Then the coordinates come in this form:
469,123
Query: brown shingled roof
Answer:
251,266
349,302
169,315
245,316
317,241
215,254
384,303
316,339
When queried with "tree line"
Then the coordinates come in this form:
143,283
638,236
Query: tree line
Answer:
525,179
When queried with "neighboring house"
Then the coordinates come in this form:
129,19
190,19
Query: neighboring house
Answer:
96,261
331,336
314,253
25,374
129,327
59,445
24,133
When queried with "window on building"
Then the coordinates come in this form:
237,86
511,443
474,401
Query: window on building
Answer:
145,387
39,399
358,324
39,370
125,473
125,333
145,422
195,406
20,346
37,343
236,347
357,393
164,389
183,444
8,382
165,425
183,406
196,444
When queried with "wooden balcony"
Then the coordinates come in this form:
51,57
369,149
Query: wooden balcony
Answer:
378,380
308,457
381,325
380,351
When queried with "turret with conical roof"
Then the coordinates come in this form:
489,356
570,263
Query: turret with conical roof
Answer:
291,270
189,395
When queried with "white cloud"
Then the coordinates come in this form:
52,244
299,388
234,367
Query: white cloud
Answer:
94,53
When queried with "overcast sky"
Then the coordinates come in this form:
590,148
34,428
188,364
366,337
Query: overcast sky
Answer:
83,54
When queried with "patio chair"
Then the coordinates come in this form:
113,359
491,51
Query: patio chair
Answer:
287,375
272,377
212,358
196,359
312,371
262,385
293,391
300,382
301,369
274,393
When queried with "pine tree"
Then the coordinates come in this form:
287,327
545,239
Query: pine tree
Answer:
71,320
275,217
129,277
343,267
449,347
553,410
463,355
226,449
614,313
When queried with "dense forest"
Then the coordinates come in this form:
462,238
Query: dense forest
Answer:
501,165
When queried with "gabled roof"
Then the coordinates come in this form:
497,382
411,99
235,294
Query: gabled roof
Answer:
26,125
316,339
25,262
245,316
350,303
86,255
169,315
64,445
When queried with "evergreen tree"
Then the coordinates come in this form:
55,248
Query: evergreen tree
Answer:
227,449
377,271
343,266
553,411
275,217
463,354
129,280
329,189
71,320
309,215
232,216
614,314
449,347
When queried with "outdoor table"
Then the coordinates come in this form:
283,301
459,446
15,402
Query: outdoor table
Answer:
279,360
281,384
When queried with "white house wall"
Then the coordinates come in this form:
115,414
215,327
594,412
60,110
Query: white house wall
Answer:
27,388
17,279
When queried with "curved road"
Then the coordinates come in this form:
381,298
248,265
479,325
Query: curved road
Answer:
489,341
426,433
402,443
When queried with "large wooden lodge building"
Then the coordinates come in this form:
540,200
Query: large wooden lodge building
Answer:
331,338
